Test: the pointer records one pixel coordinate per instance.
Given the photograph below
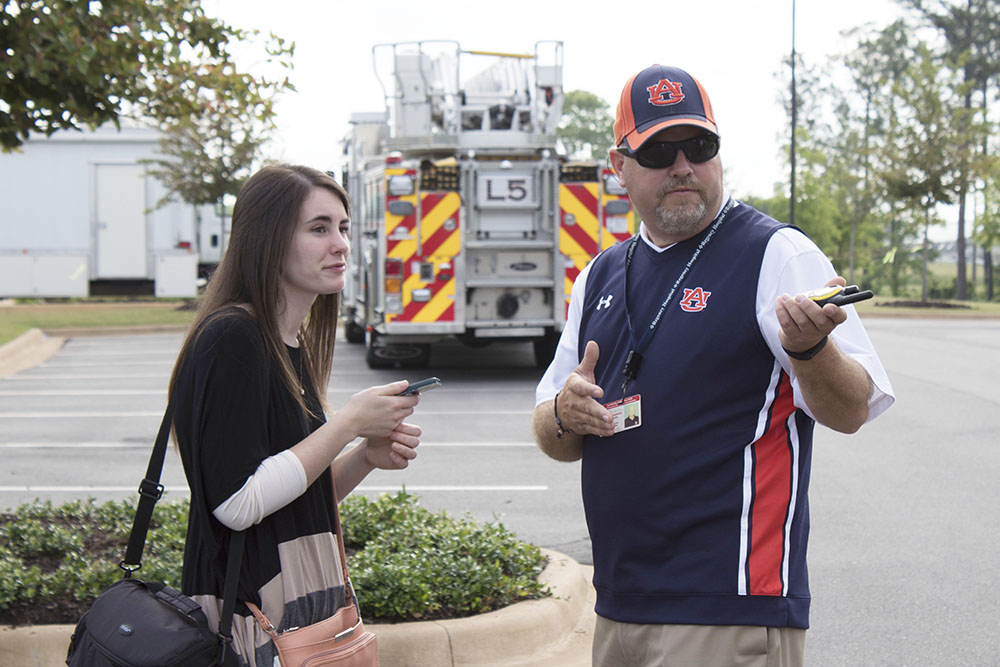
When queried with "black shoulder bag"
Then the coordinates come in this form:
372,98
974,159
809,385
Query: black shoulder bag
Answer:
139,623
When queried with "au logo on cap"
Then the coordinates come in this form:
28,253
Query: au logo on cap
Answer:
666,92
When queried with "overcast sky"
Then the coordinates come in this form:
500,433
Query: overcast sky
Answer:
734,47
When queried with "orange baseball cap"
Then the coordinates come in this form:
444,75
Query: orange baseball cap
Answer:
657,98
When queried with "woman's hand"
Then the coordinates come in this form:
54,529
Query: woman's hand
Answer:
395,451
376,412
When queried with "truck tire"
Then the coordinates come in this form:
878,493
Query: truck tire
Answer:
353,333
545,348
395,355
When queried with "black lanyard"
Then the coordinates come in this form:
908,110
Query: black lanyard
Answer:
634,358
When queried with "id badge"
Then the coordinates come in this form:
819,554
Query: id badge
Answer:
626,413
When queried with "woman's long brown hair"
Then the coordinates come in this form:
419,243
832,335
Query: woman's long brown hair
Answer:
249,275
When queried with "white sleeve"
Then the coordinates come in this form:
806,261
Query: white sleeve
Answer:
567,356
793,264
278,480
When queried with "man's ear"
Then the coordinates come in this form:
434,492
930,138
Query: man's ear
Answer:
616,160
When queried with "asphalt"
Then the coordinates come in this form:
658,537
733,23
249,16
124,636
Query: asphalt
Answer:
551,632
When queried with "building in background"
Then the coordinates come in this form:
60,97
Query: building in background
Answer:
78,218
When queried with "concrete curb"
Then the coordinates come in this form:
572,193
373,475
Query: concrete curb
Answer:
554,632
28,350
35,346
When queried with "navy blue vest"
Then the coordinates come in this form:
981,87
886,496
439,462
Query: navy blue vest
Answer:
700,515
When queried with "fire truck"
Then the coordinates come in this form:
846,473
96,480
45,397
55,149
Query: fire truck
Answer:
467,223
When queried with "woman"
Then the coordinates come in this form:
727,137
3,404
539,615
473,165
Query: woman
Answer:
249,394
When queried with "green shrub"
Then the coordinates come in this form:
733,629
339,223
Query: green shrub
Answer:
413,564
55,560
406,562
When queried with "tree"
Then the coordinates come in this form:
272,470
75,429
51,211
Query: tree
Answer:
824,167
70,63
878,60
928,144
972,33
208,154
876,111
988,232
586,126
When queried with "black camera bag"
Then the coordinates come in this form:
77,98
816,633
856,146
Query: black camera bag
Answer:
143,624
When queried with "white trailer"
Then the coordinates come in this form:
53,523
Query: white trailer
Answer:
77,210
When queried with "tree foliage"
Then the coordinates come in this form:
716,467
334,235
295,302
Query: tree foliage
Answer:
971,31
70,64
893,133
586,126
208,154
987,234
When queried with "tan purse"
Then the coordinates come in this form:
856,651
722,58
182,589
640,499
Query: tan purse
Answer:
340,640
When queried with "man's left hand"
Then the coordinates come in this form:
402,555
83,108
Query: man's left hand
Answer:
803,322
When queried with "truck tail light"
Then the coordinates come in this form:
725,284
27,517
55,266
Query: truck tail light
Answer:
393,285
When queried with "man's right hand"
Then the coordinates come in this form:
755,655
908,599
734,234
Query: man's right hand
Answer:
579,408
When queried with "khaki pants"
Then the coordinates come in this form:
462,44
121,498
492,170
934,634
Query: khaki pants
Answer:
636,645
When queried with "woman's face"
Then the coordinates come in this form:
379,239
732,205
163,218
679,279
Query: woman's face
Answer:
316,262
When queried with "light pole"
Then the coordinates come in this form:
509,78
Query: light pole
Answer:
791,200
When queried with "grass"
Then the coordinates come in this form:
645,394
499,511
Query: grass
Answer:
50,317
882,307
76,313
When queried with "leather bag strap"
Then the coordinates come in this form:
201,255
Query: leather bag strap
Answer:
339,530
150,491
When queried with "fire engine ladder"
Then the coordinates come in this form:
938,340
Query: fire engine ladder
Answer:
514,101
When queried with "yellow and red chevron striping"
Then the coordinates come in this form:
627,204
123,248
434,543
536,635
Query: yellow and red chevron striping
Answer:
581,236
440,243
437,208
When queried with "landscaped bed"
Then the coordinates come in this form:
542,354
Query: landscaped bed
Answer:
406,562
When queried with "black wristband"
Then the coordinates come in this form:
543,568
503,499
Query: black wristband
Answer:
806,355
560,430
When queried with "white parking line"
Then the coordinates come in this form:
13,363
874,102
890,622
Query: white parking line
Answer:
35,377
76,415
117,353
163,392
106,415
105,364
431,487
184,489
86,392
147,445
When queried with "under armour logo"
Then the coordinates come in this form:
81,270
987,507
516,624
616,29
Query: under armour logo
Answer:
665,92
694,300
605,301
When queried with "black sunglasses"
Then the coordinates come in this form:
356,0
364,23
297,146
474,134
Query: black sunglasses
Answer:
661,154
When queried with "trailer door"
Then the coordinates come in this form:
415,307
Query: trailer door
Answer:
120,221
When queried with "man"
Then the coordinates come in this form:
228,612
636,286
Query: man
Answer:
699,515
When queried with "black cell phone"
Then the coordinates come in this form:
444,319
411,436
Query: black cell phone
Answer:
840,296
421,386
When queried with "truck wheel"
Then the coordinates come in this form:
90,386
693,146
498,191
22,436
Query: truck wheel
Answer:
353,333
395,355
545,349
